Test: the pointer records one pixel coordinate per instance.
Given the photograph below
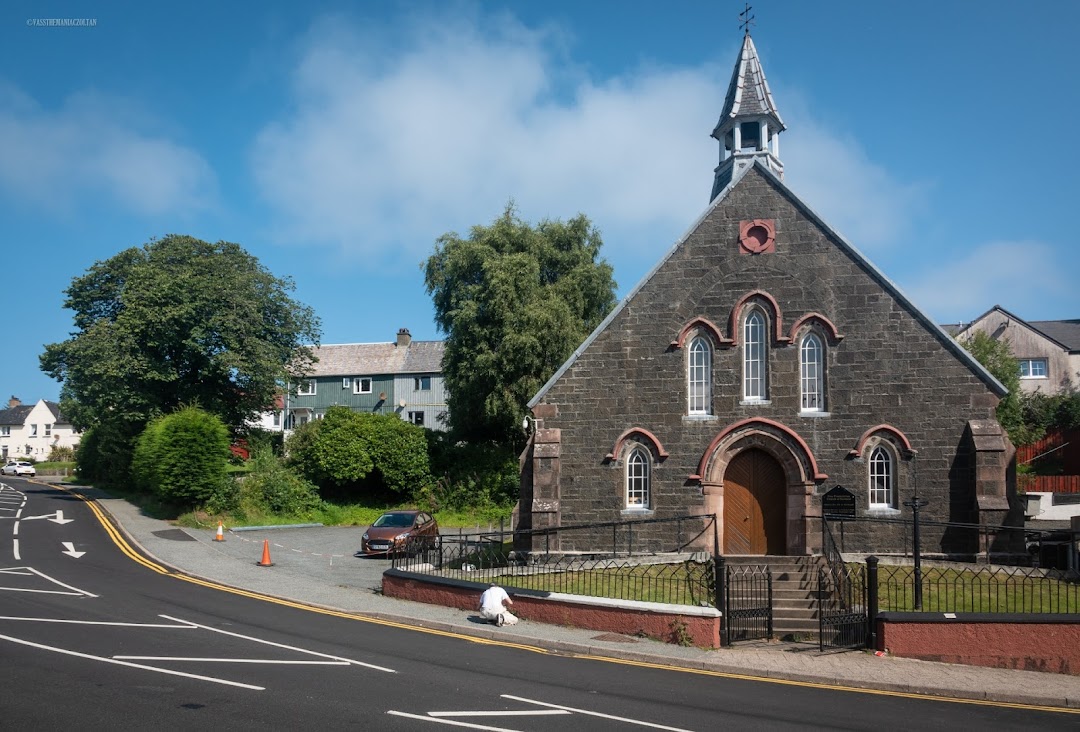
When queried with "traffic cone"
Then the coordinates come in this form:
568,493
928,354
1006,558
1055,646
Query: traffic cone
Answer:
220,536
265,562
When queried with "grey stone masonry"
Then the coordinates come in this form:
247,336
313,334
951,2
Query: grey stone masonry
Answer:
891,378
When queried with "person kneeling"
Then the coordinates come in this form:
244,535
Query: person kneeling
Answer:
493,604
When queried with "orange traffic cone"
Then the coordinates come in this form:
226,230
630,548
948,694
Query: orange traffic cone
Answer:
265,562
220,536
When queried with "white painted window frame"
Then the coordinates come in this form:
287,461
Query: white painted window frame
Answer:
755,384
1027,368
881,478
699,377
638,479
306,387
812,373
360,381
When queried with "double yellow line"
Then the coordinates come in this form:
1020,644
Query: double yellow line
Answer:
130,552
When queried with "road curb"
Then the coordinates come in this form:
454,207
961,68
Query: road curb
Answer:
613,654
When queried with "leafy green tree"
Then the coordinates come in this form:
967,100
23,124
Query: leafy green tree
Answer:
347,449
178,321
997,357
183,456
514,302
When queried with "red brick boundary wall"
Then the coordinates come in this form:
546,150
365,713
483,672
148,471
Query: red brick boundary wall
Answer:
668,623
1033,643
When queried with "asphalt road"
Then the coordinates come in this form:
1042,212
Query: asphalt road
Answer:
93,636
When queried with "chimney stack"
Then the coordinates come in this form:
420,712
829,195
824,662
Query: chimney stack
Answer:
404,338
14,400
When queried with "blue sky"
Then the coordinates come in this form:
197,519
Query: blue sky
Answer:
336,141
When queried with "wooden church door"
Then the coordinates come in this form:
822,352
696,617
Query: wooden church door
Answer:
755,505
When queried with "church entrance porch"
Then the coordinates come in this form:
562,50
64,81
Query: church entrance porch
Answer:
755,502
758,477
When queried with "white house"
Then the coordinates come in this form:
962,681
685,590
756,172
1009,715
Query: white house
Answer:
32,431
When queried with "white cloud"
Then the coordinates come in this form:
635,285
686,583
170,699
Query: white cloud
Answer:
90,147
1012,274
389,145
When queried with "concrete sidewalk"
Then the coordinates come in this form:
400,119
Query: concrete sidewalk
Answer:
318,566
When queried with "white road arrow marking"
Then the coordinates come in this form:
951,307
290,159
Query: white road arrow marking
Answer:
56,518
69,549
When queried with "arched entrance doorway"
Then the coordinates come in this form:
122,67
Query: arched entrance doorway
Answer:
755,504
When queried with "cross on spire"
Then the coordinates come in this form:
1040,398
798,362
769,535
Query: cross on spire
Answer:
746,20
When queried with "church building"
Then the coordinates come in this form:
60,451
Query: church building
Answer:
761,363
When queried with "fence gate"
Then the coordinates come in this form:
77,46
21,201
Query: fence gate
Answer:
844,620
747,602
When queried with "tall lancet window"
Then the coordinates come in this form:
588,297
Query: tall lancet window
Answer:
637,479
754,374
699,377
812,373
882,479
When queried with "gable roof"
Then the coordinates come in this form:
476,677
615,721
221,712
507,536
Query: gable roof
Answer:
13,416
888,285
369,359
16,416
1063,333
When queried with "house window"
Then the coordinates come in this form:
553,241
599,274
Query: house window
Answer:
754,386
637,479
812,372
699,377
417,418
422,383
1033,368
48,430
5,431
33,430
361,385
882,494
306,388
277,419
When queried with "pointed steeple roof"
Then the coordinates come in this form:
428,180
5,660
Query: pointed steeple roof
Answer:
749,127
748,93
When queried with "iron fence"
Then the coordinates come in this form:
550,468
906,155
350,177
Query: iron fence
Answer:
979,589
960,541
747,602
843,611
621,570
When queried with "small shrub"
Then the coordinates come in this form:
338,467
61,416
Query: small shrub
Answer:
277,488
182,457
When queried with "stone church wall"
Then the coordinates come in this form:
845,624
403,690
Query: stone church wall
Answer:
886,368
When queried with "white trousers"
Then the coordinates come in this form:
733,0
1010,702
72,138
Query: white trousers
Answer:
508,618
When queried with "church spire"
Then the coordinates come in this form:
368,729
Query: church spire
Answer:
749,127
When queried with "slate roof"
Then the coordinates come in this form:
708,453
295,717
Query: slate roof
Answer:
1064,332
355,359
14,416
748,92
889,286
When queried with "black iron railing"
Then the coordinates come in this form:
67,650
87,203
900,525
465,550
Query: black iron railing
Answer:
979,589
626,567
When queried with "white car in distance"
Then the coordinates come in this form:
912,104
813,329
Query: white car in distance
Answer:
20,468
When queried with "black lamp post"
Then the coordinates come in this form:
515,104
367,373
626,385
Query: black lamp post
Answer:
915,504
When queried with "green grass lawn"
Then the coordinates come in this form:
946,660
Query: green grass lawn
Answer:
976,591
